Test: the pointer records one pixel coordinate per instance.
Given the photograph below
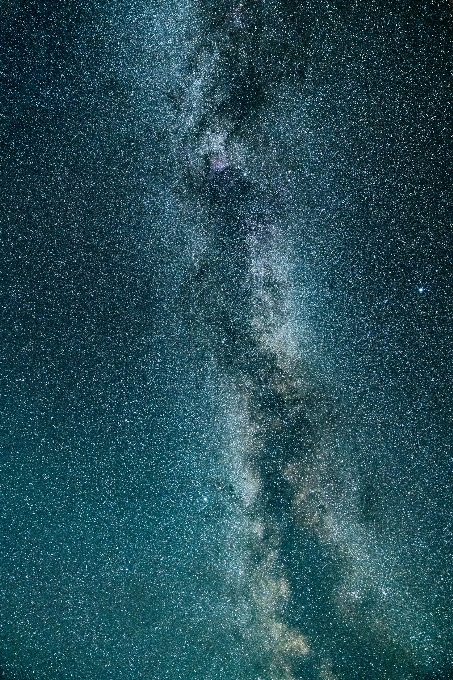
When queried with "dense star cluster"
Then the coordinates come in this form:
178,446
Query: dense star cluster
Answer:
226,357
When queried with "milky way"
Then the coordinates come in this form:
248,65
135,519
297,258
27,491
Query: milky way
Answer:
227,320
240,296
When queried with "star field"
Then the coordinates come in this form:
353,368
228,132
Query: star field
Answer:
226,347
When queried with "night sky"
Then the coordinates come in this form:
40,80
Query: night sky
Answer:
226,340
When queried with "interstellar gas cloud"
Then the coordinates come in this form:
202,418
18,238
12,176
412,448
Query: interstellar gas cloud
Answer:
234,462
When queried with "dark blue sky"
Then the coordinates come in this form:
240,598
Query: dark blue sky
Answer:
165,471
